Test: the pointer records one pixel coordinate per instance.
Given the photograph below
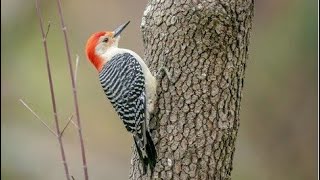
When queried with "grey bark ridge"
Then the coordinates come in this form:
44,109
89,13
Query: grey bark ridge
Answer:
204,45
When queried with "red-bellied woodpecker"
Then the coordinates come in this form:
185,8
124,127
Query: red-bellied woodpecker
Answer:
130,87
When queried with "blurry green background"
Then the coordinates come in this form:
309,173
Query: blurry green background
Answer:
278,132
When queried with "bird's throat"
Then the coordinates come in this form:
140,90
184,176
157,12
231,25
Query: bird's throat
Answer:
98,62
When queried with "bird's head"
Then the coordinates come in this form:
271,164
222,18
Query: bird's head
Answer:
100,42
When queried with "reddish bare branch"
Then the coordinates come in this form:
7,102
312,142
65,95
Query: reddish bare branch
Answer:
75,97
54,107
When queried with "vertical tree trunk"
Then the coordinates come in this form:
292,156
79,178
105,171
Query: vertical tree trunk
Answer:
204,45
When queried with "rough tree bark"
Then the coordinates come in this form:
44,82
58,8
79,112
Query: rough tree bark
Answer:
204,44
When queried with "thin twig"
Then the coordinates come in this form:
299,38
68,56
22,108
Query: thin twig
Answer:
76,69
54,107
64,30
65,127
75,124
70,119
35,114
48,28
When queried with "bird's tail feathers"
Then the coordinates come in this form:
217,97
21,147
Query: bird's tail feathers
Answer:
148,154
144,160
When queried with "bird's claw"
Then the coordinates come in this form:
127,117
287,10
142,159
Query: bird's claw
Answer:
164,70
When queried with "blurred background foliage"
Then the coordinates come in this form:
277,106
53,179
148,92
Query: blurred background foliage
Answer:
278,132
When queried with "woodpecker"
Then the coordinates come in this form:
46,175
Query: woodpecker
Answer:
129,86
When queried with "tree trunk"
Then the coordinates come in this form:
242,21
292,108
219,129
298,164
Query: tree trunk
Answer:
204,45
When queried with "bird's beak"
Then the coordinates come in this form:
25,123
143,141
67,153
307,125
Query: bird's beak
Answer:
120,29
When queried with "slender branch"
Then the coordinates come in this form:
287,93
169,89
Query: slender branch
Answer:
64,29
76,69
48,28
25,104
75,124
54,107
65,127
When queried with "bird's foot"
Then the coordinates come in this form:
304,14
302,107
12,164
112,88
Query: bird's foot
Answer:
163,70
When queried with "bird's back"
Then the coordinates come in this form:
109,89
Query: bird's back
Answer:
123,82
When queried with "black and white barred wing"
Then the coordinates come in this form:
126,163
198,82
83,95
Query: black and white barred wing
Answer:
123,82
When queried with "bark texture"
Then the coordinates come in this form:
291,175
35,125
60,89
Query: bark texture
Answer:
204,45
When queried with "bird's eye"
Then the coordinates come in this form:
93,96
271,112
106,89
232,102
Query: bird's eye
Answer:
106,40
